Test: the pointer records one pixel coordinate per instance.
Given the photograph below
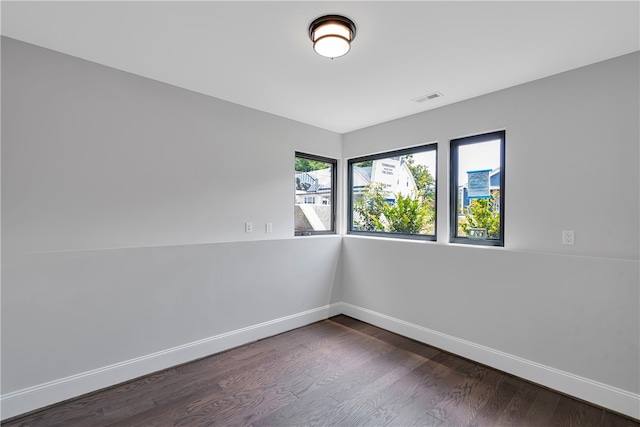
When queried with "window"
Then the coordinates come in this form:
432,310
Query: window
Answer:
394,194
315,183
477,189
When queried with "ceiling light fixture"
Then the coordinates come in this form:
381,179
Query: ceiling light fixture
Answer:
332,35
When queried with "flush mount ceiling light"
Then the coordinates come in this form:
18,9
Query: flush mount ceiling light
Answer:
332,35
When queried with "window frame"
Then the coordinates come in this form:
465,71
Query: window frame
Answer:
334,189
433,146
453,184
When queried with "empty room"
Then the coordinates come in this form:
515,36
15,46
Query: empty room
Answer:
320,213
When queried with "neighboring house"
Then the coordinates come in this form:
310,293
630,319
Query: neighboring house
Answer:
313,187
360,179
393,173
494,184
313,200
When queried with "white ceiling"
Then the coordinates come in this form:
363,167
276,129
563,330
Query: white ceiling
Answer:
258,54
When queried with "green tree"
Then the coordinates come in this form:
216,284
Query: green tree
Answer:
368,209
425,182
426,191
483,213
306,165
406,215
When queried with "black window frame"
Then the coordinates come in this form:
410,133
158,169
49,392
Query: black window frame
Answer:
334,189
387,154
453,194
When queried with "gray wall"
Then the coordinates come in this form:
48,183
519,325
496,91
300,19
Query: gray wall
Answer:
97,158
123,210
572,161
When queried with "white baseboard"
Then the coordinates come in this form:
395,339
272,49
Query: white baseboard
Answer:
39,396
612,398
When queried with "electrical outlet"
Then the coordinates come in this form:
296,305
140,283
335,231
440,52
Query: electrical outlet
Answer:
248,227
568,237
268,227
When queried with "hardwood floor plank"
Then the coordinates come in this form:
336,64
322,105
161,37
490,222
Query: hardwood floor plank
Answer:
348,413
572,413
348,322
329,380
519,406
310,411
192,380
410,404
363,397
610,419
168,414
542,408
361,378
466,393
418,348
220,410
262,410
416,387
415,415
458,395
497,403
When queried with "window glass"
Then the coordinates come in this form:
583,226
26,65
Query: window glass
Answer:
477,189
315,183
394,193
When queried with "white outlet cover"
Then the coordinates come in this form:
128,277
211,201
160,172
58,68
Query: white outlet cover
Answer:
568,237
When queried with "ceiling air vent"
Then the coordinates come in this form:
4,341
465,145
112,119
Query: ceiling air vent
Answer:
428,97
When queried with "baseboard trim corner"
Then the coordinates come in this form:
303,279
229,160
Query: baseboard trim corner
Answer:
603,395
32,398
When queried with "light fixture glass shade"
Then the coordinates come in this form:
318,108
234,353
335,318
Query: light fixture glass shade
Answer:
331,46
332,35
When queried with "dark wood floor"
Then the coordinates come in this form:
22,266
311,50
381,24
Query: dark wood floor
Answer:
338,372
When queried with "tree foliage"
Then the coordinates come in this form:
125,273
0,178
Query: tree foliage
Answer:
425,182
406,215
368,210
483,213
306,165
